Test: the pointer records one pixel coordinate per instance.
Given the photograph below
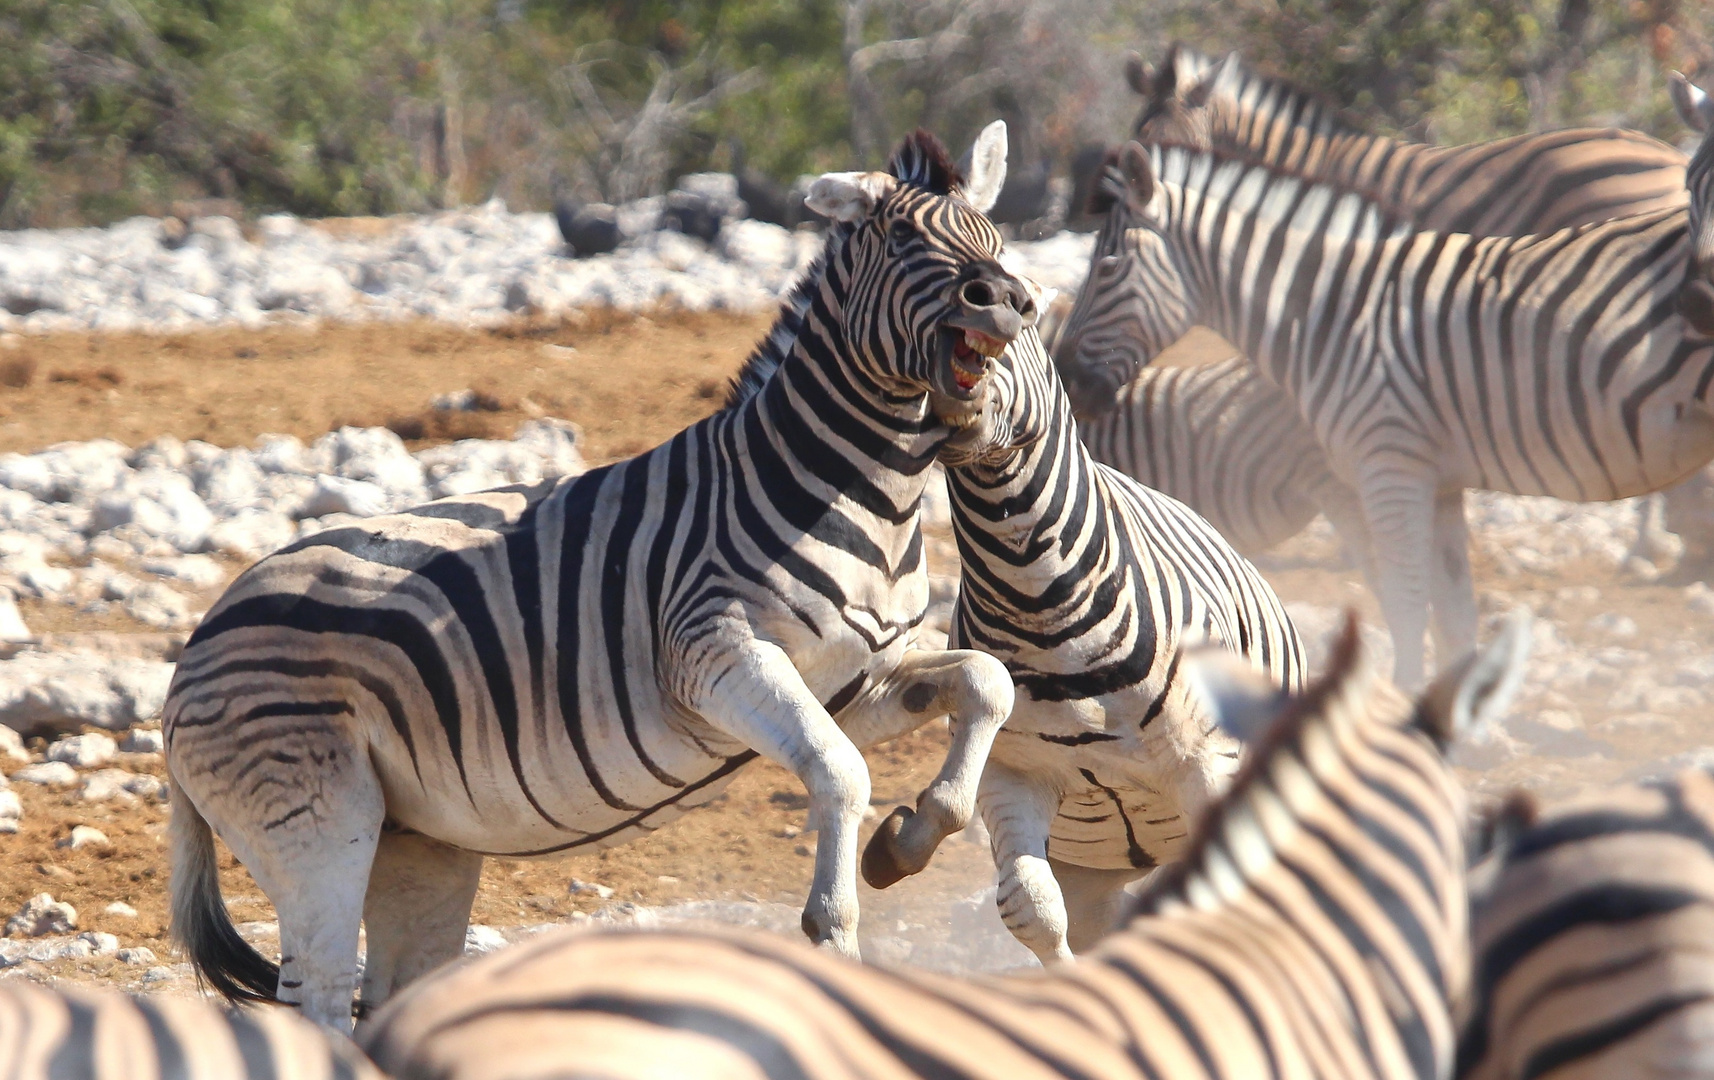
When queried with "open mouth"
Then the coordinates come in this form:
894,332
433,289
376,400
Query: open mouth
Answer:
970,352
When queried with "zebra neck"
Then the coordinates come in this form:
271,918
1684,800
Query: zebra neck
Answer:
1036,535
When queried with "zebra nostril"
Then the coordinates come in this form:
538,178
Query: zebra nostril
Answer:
977,294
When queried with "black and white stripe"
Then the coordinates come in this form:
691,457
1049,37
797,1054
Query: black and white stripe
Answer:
1424,362
1591,927
1225,442
1089,586
367,713
81,1034
1533,183
1315,928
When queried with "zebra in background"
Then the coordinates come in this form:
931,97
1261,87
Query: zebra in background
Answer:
1317,926
1534,183
1590,929
528,671
1088,586
80,1034
1220,439
1424,362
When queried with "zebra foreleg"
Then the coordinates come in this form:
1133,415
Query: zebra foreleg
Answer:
1019,811
1401,517
975,690
757,697
415,912
1454,595
1093,901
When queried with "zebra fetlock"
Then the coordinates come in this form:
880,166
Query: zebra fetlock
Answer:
528,671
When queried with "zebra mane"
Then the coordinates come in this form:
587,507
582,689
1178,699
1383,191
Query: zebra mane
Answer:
776,345
922,161
1328,694
1278,96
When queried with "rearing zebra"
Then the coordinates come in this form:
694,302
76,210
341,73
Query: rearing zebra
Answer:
1315,928
1425,362
364,715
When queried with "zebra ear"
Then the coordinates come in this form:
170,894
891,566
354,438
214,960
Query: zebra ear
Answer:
1242,700
849,196
1226,69
1471,695
1694,106
1139,177
1139,75
987,167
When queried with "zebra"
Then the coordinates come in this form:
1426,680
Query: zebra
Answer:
1590,924
528,671
1424,362
1535,183
85,1034
1316,927
1088,585
1220,439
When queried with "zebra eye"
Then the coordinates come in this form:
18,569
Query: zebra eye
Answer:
900,233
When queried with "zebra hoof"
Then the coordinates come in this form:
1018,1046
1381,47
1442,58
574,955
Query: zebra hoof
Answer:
881,866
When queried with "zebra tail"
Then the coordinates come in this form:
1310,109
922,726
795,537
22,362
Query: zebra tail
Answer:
200,923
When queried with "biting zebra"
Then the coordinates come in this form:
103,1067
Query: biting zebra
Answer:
368,713
1316,927
1424,362
83,1034
1088,586
1590,927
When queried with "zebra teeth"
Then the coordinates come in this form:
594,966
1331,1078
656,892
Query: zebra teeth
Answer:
982,343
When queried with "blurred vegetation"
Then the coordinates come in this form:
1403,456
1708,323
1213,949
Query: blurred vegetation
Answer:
115,107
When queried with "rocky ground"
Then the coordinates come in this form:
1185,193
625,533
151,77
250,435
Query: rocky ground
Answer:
148,469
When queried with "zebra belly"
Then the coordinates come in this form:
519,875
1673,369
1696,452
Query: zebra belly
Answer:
1114,828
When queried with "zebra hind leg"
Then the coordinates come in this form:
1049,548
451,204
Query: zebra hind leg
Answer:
415,911
1401,515
1094,900
975,690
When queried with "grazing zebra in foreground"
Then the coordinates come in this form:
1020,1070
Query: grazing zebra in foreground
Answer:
1222,440
1532,183
367,713
1592,932
1315,928
80,1034
1425,362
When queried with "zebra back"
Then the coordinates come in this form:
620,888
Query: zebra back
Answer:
1317,929
80,1034
1218,438
1524,184
1590,926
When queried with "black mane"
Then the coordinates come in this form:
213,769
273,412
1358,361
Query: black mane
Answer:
922,161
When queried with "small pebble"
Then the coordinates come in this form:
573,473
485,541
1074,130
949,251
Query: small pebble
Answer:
120,909
48,773
42,915
603,892
89,751
140,954
482,939
83,836
161,973
143,741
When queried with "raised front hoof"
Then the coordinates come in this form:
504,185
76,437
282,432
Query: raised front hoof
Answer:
881,863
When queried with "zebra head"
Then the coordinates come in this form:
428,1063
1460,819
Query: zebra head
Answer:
1696,295
1138,297
1176,96
928,305
1024,404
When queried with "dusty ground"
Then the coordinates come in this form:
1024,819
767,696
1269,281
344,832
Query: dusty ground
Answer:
629,383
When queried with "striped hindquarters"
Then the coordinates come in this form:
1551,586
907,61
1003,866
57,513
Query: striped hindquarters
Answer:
1219,439
1593,933
97,1035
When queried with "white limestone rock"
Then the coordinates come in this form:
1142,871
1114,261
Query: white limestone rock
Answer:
66,691
195,571
40,916
158,605
84,836
137,955
341,495
12,626
119,909
480,939
11,811
251,534
88,751
47,774
143,741
12,746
